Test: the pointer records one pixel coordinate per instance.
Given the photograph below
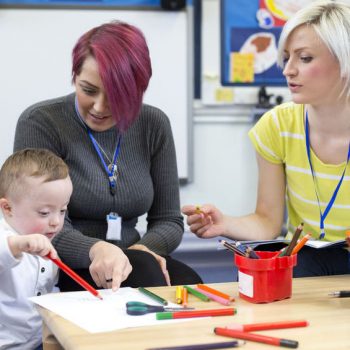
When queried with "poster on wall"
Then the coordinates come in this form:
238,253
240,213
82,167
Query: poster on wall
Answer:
250,31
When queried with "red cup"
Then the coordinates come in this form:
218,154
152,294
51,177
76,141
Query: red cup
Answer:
266,279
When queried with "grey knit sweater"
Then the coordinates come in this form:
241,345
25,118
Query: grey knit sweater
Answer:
147,180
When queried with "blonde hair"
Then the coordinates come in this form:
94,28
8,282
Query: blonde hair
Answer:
331,21
30,162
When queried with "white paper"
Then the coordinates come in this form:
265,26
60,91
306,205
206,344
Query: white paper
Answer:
95,315
314,243
325,244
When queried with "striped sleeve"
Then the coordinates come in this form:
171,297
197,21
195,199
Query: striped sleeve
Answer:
265,136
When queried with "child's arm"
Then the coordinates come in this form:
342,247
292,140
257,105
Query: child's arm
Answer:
35,244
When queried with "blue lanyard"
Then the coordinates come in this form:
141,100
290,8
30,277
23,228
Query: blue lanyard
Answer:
332,200
110,169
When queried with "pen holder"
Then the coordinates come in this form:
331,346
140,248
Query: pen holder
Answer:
266,279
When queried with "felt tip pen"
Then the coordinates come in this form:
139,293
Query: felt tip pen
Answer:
184,297
197,294
153,296
256,337
198,209
267,326
75,276
341,294
195,313
209,346
301,243
178,294
215,292
288,250
214,297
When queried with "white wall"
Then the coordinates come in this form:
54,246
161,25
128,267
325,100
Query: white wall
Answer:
225,170
35,62
223,159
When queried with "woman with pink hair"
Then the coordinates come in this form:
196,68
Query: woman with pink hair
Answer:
122,162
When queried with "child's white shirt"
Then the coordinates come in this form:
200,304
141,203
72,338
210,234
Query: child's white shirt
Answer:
20,322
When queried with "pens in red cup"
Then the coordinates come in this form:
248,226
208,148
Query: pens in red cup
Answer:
267,326
195,313
287,343
75,276
301,243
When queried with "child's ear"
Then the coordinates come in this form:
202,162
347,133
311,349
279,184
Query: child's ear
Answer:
5,207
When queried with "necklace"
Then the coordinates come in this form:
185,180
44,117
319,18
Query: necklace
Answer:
111,169
110,165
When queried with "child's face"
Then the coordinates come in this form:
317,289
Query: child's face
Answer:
42,207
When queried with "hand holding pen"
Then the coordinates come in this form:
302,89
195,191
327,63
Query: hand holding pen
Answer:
205,221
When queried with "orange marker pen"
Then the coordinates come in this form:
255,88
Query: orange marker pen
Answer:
184,297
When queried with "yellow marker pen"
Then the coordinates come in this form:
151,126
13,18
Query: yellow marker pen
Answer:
178,296
198,209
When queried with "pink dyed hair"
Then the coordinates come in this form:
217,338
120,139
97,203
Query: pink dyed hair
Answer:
122,56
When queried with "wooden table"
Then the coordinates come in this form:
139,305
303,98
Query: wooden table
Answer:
329,319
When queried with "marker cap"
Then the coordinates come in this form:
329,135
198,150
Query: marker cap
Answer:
164,315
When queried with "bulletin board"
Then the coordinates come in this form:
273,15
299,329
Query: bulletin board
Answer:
250,31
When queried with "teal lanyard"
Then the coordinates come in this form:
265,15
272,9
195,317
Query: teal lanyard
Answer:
111,169
332,200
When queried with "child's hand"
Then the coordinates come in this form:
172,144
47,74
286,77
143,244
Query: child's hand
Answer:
35,244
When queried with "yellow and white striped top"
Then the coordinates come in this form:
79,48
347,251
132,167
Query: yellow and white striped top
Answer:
279,137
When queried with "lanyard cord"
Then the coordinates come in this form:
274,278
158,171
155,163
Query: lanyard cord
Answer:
97,148
332,200
111,170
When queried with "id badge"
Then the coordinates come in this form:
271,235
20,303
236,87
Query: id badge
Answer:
114,222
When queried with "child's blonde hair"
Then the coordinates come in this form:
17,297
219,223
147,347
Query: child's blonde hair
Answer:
30,162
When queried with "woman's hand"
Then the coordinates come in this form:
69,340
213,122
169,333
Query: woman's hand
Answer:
160,259
109,265
205,221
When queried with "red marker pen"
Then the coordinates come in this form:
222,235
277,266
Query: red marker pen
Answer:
256,337
75,276
195,313
267,326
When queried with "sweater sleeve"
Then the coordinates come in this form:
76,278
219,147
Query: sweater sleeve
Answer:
165,222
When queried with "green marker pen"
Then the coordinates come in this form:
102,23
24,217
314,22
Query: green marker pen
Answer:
197,294
153,296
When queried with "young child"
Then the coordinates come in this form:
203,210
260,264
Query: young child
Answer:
35,189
